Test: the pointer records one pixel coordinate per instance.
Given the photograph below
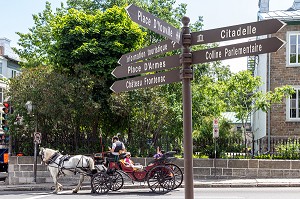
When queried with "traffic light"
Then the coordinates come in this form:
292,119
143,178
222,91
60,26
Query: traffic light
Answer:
6,111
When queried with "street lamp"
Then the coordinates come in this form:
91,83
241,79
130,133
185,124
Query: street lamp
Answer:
30,108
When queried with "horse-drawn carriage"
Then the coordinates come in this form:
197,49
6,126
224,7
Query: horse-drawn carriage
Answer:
160,174
108,174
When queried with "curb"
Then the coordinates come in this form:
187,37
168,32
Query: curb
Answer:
201,185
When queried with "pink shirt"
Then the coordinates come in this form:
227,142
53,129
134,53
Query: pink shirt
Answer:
127,160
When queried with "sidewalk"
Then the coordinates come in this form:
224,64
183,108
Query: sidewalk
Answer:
198,183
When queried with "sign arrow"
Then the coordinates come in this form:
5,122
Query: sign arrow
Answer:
237,50
146,81
147,66
153,23
237,32
150,51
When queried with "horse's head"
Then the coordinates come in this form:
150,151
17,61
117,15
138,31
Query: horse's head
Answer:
46,154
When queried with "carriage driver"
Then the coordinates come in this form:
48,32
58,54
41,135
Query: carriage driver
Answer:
117,148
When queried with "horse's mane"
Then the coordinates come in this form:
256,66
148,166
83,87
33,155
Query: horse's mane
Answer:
48,153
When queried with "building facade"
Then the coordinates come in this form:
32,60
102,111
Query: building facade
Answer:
9,68
279,69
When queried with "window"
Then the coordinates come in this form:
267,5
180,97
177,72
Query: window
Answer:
13,73
1,68
293,55
293,112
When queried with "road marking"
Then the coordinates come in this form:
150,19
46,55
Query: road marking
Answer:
228,197
207,197
40,196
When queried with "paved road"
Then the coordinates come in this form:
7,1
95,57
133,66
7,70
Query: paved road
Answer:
200,193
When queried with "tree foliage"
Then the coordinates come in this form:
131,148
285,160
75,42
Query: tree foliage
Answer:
59,113
79,54
244,97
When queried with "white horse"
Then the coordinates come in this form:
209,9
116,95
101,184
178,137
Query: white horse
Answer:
65,165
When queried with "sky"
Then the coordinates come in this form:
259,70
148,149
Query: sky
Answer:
17,17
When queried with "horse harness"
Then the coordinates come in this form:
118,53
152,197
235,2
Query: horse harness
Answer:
60,164
52,158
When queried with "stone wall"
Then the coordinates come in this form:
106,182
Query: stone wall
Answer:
21,169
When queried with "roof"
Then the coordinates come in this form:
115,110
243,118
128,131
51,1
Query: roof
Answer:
230,116
15,60
283,15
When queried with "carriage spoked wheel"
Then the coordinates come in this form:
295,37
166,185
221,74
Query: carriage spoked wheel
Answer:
101,183
177,174
161,179
117,180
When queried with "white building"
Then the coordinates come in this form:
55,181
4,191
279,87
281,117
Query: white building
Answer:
9,68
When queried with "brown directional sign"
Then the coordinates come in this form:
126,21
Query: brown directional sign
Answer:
150,51
237,50
146,66
151,22
146,81
237,32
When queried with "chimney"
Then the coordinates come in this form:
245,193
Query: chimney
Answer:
263,6
4,44
1,50
6,50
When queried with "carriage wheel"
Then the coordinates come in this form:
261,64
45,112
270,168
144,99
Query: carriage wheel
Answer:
100,183
117,180
161,179
177,174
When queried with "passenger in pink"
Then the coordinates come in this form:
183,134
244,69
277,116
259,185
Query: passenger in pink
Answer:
128,162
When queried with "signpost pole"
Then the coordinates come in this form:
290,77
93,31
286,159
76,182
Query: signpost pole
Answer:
187,76
35,162
35,152
215,137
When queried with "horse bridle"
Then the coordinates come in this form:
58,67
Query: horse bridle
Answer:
51,159
42,155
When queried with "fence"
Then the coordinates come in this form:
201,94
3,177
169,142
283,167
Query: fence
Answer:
280,148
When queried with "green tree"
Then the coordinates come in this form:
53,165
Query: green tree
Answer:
81,48
59,112
95,41
244,98
204,141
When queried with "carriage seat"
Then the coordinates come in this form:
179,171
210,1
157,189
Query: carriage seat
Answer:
125,167
128,168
